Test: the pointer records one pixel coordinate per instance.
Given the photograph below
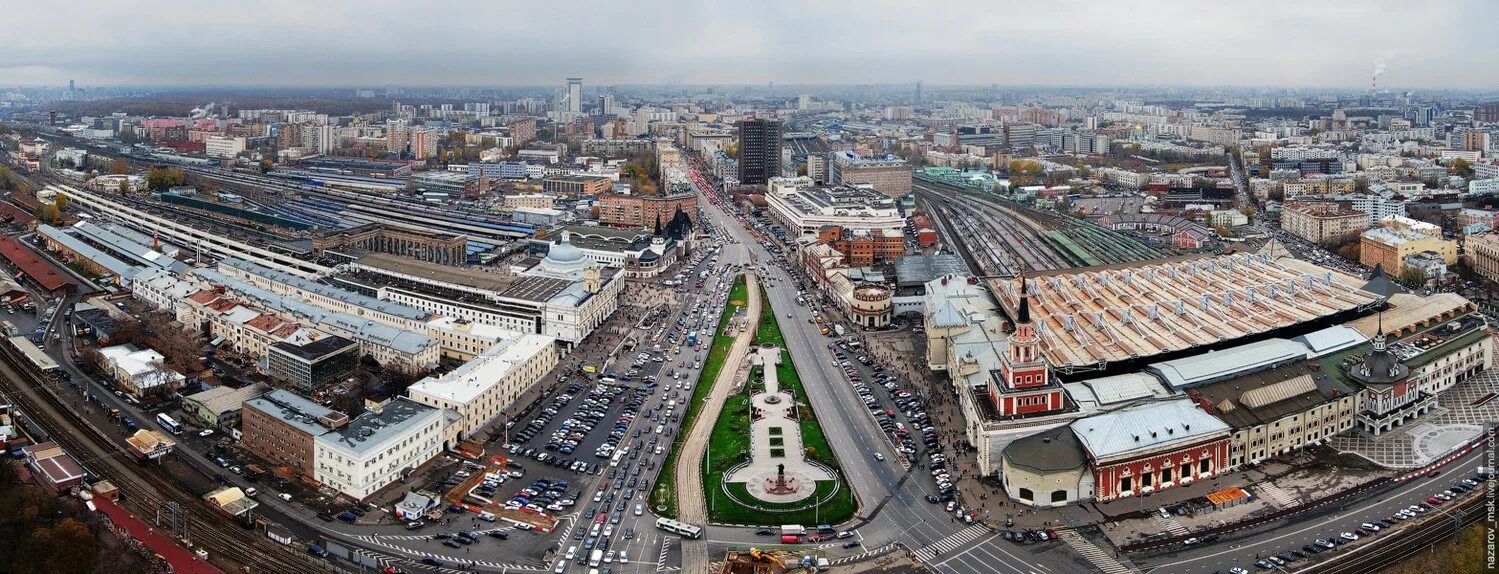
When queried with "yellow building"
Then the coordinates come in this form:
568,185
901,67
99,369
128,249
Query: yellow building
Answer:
1400,237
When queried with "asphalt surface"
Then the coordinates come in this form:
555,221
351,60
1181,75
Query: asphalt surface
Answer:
1305,529
892,500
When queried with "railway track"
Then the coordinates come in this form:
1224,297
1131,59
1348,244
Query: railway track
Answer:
1406,544
146,491
995,227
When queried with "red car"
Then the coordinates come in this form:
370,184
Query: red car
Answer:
1434,500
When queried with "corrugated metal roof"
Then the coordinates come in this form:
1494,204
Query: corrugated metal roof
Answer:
1146,427
1330,340
1218,365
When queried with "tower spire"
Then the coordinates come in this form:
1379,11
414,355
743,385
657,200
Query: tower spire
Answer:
1023,314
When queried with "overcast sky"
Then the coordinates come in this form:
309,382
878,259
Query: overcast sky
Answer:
1425,44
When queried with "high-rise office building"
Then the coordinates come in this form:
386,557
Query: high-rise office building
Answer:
606,104
918,91
72,87
574,95
759,151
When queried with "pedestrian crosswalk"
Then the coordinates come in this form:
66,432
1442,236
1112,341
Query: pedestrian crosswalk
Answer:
952,542
1095,555
1276,495
1171,525
665,551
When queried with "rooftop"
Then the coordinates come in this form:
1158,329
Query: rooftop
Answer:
1051,450
49,276
1087,319
1267,396
350,297
370,430
1144,428
473,278
918,269
316,348
298,411
486,370
222,399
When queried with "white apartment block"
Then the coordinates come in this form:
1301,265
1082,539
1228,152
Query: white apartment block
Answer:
484,386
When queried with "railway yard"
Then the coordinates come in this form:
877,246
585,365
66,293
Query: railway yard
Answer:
999,239
147,493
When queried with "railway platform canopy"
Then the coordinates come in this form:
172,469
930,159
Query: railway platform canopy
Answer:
1090,318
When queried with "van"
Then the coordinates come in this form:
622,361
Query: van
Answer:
595,558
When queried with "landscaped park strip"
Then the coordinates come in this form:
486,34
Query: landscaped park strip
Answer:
728,446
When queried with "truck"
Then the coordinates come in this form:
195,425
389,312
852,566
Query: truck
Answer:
692,339
838,329
793,530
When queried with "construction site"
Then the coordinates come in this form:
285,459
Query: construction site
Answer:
1090,318
757,561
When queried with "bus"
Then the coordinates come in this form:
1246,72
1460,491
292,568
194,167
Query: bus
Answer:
680,528
166,422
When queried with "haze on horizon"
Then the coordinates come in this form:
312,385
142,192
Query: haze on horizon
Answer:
1441,44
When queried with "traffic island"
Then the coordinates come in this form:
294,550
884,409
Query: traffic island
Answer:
768,461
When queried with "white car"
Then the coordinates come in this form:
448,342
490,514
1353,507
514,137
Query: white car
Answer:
206,432
622,558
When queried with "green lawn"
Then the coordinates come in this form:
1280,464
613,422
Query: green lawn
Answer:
663,496
728,446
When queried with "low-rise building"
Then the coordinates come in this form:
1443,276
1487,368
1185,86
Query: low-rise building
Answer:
1277,411
140,371
479,389
311,361
801,207
220,407
1139,450
378,448
1400,237
1322,222
572,186
356,457
647,211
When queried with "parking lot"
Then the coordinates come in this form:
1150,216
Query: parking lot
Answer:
593,447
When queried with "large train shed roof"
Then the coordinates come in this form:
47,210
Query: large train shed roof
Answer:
1088,319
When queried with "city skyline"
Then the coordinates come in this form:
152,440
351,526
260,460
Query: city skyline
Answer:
1113,44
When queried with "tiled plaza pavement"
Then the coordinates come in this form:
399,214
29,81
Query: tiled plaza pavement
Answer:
1453,422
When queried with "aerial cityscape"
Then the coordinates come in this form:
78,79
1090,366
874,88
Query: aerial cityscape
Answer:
749,289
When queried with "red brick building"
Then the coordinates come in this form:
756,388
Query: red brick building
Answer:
865,248
1140,450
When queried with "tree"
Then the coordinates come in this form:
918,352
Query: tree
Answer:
119,167
1461,167
61,201
1413,276
124,188
163,178
1349,251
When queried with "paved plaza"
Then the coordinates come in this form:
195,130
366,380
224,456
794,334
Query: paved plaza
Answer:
778,470
1454,422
